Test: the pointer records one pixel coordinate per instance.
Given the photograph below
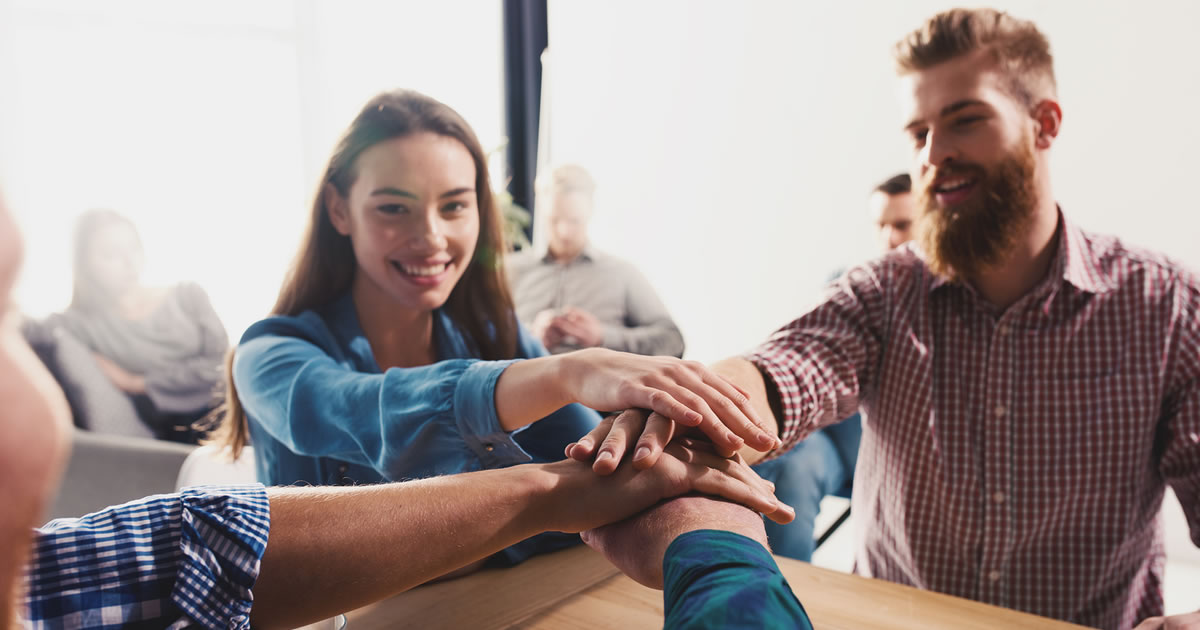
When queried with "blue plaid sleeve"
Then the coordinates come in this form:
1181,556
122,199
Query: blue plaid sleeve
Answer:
718,579
178,560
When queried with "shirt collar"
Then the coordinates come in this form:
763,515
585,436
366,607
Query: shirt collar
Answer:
1072,261
586,255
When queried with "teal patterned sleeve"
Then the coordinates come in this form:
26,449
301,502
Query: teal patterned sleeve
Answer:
718,579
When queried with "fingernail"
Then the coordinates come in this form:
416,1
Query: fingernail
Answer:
585,443
603,456
642,452
767,441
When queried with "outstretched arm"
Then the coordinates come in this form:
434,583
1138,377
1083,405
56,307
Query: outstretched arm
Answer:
335,549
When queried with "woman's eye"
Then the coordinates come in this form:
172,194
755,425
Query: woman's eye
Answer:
454,206
392,208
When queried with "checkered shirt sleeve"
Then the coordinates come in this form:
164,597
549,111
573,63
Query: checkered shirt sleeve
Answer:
167,561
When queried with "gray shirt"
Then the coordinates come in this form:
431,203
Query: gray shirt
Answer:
609,288
179,347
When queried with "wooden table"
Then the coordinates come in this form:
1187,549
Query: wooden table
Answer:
578,589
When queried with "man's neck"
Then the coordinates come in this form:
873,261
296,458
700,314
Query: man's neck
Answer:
565,258
1026,266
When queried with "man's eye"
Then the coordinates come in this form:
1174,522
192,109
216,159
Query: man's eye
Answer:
967,121
918,137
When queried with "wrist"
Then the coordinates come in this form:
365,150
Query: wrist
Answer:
565,377
547,491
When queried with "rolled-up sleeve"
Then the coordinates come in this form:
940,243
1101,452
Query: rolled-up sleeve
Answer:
399,423
191,557
822,362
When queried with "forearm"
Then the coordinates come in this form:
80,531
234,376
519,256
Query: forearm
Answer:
334,549
530,390
765,400
353,547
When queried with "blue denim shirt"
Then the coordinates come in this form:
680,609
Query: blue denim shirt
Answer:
320,411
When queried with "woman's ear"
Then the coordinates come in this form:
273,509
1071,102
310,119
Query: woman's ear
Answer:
336,206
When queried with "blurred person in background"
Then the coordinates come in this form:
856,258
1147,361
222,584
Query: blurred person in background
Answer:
574,296
162,346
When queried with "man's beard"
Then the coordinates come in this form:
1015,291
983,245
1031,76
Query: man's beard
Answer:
980,232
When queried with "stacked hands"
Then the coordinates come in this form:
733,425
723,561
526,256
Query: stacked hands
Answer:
688,426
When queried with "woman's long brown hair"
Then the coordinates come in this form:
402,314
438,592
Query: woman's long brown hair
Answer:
323,270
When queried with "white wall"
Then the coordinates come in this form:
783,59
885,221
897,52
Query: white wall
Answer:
735,143
208,123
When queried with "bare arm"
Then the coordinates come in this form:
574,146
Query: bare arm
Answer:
335,549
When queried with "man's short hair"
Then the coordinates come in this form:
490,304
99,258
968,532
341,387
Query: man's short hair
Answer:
1019,49
567,178
896,185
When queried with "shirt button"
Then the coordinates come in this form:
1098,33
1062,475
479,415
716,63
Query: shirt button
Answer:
1003,329
994,576
997,497
342,468
1000,411
489,448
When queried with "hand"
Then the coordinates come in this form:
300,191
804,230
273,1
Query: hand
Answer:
638,544
543,330
125,381
1189,621
580,325
585,501
685,392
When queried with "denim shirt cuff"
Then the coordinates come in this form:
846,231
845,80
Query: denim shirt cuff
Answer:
475,413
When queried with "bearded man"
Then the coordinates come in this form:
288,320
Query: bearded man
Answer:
1028,389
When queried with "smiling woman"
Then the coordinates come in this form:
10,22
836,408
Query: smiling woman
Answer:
394,351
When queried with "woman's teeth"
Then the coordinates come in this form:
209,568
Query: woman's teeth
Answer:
421,270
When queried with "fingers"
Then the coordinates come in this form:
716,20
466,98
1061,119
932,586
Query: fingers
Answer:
735,409
668,404
627,425
731,479
655,436
583,449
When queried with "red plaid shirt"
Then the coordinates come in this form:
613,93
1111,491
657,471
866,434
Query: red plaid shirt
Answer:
1016,458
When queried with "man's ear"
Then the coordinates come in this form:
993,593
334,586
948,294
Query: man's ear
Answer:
1047,118
336,206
